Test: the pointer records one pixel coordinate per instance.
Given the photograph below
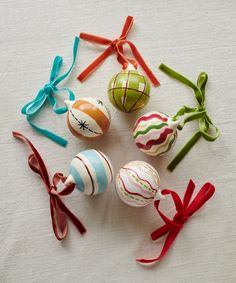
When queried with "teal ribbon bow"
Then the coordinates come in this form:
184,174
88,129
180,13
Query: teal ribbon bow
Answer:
207,129
47,93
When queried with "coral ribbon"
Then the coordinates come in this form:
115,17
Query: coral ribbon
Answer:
184,210
59,212
47,93
207,129
117,45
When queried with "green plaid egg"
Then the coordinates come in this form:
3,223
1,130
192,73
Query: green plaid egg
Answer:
129,90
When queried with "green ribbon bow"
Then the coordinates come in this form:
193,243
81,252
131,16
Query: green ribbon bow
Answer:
207,129
47,93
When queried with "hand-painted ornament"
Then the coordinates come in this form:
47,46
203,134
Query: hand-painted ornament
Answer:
155,133
91,171
129,90
88,118
138,184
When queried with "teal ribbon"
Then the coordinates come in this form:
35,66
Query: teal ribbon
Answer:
47,93
207,129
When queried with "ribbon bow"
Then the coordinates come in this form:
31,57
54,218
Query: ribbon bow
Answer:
59,212
116,46
47,93
184,209
207,129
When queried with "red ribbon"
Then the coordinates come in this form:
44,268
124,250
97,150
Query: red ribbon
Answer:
184,210
59,211
116,46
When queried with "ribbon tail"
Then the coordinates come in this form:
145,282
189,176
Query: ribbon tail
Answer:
94,38
168,243
160,232
197,91
178,76
57,139
75,50
184,151
95,64
127,26
143,64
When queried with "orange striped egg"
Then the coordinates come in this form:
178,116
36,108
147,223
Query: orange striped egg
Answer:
88,118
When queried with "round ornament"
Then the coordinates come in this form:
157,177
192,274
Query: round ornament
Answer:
88,118
129,90
137,184
155,133
91,171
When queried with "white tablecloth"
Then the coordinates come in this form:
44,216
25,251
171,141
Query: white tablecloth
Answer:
189,36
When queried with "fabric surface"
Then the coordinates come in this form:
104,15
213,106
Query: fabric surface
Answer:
190,37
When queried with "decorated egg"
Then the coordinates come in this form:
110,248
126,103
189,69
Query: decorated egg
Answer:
129,90
155,133
138,184
88,118
91,171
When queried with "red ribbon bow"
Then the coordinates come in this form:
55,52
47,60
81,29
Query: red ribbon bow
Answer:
59,211
184,210
116,46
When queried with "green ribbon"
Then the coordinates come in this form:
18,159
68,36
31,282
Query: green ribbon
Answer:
207,129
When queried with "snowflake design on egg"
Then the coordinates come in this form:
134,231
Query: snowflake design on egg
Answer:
100,102
83,125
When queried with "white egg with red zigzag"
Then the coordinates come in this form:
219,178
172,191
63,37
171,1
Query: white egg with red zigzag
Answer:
155,133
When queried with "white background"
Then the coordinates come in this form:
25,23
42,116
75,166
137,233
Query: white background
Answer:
189,36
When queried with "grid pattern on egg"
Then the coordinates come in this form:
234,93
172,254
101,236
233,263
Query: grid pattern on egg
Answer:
129,90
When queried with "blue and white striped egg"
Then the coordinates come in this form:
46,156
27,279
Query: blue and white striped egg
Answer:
91,171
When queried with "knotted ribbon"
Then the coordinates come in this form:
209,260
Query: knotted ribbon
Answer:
207,129
59,212
117,45
184,210
47,94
